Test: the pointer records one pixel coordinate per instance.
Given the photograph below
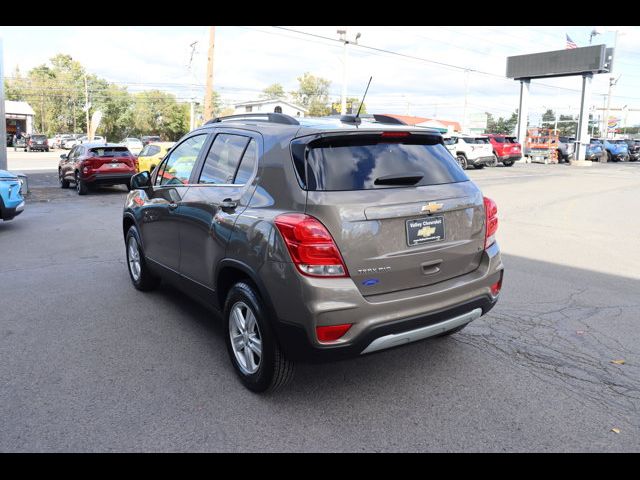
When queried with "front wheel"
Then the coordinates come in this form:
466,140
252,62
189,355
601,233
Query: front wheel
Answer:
141,276
63,183
479,166
252,345
508,163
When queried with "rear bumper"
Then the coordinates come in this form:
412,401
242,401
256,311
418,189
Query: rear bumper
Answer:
7,213
301,304
481,160
109,178
296,345
511,157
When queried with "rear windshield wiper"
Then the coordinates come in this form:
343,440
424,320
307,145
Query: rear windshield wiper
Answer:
404,179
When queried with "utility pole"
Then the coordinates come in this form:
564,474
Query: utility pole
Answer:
192,107
612,82
345,41
466,94
86,105
208,95
3,120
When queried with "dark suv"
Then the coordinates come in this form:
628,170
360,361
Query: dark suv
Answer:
315,239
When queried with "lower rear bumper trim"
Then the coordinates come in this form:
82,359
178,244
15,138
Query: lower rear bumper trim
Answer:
396,339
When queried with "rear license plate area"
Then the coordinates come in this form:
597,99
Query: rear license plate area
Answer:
425,230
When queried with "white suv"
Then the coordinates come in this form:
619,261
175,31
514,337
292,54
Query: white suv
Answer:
471,150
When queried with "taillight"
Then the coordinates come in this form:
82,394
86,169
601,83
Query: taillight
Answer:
331,333
496,287
491,220
311,246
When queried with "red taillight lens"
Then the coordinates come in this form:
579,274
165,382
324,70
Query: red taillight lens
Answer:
491,216
332,333
395,134
311,246
496,287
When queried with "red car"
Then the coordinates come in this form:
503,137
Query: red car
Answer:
90,164
506,149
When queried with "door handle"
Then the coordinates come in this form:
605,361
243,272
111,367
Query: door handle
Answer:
173,206
228,204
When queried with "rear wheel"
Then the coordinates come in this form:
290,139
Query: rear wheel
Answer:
462,161
609,159
479,166
141,276
81,187
508,163
252,345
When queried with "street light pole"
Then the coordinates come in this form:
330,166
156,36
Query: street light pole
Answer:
345,41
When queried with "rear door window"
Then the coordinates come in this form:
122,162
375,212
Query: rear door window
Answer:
223,159
370,161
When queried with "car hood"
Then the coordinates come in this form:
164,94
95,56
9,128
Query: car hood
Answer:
4,175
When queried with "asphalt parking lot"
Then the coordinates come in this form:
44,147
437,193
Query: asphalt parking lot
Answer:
91,364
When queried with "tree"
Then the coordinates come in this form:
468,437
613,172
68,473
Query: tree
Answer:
275,90
501,125
313,94
159,113
353,103
548,119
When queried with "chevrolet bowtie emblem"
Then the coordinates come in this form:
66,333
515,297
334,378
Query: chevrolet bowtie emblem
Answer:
431,207
426,231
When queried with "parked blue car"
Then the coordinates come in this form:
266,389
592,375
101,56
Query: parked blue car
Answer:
594,151
11,200
617,150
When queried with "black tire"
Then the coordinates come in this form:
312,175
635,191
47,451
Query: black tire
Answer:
63,183
462,161
450,332
81,187
47,150
609,159
274,370
508,163
479,166
145,280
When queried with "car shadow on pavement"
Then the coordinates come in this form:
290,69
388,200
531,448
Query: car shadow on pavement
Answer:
571,333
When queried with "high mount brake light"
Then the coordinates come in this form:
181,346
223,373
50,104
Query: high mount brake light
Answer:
395,134
311,246
491,220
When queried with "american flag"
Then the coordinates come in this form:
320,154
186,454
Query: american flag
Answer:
570,43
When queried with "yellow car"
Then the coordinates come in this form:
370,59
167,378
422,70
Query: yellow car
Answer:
152,154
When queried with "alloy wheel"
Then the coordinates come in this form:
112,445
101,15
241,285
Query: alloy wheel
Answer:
133,258
246,340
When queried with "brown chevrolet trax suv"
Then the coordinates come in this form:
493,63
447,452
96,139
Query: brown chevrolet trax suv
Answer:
316,239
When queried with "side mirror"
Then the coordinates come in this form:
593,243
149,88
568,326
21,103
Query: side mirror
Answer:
63,156
141,180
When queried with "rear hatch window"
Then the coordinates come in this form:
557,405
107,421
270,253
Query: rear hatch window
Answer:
373,161
110,152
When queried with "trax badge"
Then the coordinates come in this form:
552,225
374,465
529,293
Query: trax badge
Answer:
431,207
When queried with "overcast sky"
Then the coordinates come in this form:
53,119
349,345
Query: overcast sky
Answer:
247,59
